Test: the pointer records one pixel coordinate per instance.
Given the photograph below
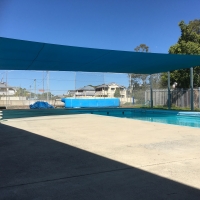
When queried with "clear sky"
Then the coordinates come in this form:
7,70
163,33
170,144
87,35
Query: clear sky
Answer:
105,24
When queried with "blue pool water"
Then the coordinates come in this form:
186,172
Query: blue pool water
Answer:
182,118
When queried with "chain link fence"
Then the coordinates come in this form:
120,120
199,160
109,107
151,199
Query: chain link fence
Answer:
19,89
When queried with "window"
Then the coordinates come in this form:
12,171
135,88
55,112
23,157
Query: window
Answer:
112,88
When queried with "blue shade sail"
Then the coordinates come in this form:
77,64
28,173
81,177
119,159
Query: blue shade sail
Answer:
25,55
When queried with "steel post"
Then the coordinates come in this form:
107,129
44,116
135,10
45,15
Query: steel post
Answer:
191,90
151,91
169,94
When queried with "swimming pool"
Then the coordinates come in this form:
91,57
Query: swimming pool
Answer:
191,119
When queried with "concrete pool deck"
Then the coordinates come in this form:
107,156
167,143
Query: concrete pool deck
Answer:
98,157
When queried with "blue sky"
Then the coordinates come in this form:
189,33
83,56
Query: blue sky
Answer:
105,24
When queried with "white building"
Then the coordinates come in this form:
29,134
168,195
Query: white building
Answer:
108,90
86,91
104,90
6,90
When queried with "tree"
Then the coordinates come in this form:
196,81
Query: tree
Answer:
142,48
22,92
92,86
188,43
195,25
139,80
117,93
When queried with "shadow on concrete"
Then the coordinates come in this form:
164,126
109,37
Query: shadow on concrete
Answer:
35,167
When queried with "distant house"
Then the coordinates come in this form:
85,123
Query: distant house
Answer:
87,91
104,90
71,93
108,90
7,90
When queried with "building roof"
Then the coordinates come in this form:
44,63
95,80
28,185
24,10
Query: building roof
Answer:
3,85
102,86
26,55
110,84
87,88
71,90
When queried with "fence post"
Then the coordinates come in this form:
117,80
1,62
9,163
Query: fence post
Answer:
182,104
151,91
199,97
191,89
48,86
6,89
169,99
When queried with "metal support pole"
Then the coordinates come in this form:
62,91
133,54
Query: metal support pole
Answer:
151,92
43,82
169,94
182,100
30,96
6,89
35,88
199,97
104,85
47,86
130,87
191,89
75,85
